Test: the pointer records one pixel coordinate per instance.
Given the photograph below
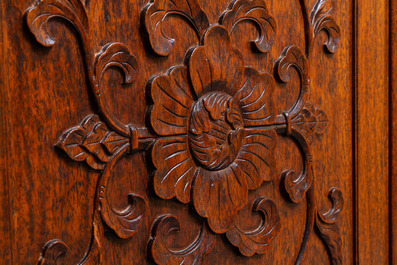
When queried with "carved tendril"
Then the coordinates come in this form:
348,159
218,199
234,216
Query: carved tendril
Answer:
56,249
194,253
154,16
254,11
100,141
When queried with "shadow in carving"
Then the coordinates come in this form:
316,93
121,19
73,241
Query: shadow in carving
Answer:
213,128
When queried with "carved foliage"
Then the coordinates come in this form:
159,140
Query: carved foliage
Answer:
124,222
215,123
56,248
192,254
116,55
327,228
212,147
296,185
91,142
321,19
38,16
259,239
311,121
52,250
155,14
256,12
293,57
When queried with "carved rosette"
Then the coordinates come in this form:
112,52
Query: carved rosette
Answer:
212,129
210,136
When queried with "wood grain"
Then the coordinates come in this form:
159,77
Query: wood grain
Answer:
6,228
393,131
371,95
162,82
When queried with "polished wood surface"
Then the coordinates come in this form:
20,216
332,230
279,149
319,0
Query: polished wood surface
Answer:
373,94
393,131
197,132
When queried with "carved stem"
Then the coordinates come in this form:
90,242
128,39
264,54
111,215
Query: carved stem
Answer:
104,178
310,216
110,120
124,222
308,27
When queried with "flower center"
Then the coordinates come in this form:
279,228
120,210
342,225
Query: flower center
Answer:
215,130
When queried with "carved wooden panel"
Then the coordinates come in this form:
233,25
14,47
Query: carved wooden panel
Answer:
209,134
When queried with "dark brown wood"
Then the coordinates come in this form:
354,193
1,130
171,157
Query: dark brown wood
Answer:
196,132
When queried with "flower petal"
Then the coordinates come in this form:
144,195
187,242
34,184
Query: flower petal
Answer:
216,66
172,101
218,195
256,98
256,158
175,168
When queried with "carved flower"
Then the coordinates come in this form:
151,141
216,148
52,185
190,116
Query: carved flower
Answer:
211,151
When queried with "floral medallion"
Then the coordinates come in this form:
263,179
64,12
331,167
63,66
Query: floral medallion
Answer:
211,130
212,123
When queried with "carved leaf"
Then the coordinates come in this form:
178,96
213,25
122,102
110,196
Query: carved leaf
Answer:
258,240
116,55
125,222
193,254
52,250
311,121
321,19
256,12
329,230
91,142
336,198
56,248
297,186
292,56
154,16
39,15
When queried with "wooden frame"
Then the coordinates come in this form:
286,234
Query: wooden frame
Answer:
375,128
393,132
371,131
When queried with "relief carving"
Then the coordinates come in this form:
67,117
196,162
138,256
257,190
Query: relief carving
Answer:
257,241
256,12
215,129
192,254
211,137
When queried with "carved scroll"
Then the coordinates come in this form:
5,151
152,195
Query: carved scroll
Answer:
212,129
256,12
55,249
259,239
322,20
154,15
73,11
192,254
328,230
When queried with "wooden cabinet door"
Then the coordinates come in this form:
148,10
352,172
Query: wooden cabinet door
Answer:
194,132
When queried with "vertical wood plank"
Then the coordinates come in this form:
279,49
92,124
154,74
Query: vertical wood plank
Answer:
372,128
5,211
393,131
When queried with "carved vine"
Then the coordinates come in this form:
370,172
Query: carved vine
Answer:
215,124
192,254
